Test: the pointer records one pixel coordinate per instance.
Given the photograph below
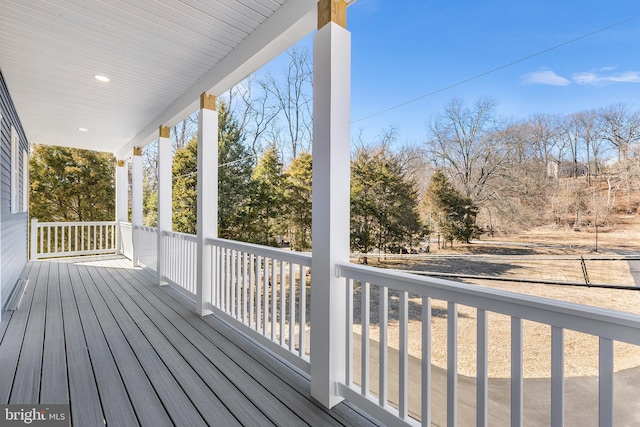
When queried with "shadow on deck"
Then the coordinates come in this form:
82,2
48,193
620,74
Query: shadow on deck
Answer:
102,336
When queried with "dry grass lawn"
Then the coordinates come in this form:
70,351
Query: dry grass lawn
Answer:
547,263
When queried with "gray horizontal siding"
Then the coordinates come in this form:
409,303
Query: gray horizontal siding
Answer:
14,251
13,227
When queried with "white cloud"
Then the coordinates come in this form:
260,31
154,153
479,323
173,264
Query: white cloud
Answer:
609,68
601,78
626,77
588,79
545,77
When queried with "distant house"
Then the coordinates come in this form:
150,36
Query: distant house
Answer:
14,190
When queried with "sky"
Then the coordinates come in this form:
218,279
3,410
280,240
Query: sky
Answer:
406,49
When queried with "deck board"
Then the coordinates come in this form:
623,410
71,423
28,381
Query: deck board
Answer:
30,362
218,347
54,387
103,336
274,376
86,408
142,393
4,323
13,339
172,397
116,404
235,391
204,398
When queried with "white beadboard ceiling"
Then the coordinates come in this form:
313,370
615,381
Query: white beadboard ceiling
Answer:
159,54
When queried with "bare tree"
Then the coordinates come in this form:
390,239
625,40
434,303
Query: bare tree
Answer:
180,134
465,141
250,103
620,127
570,133
547,141
292,96
589,134
518,189
413,159
184,131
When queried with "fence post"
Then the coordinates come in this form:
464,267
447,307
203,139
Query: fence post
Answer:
34,239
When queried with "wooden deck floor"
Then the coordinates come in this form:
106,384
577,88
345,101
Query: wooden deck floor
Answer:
100,335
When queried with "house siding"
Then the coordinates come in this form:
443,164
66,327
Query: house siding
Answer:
13,226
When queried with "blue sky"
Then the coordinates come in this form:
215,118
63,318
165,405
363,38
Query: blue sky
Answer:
405,49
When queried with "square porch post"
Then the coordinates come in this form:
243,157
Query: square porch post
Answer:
122,200
207,222
165,212
136,200
331,173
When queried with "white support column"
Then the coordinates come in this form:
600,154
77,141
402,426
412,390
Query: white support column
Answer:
136,199
165,161
122,200
207,198
331,154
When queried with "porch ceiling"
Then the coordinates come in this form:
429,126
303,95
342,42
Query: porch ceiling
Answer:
159,54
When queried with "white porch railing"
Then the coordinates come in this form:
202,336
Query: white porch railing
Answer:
608,326
147,241
61,239
266,290
125,231
180,261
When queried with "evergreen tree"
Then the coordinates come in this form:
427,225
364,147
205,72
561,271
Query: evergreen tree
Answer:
298,201
384,203
363,204
149,205
235,165
69,184
267,207
454,213
150,184
185,188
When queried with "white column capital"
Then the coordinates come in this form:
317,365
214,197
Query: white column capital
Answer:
207,102
332,11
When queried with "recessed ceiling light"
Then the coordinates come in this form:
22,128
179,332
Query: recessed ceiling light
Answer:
100,78
83,129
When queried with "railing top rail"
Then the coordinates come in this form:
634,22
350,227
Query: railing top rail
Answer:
184,236
145,228
300,258
74,223
611,324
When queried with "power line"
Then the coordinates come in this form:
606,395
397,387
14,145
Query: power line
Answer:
493,70
219,166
